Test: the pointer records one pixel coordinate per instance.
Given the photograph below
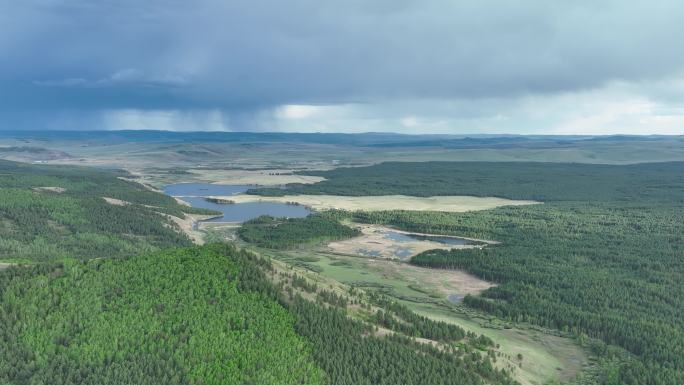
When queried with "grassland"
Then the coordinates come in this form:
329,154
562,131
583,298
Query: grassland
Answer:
268,177
386,202
547,357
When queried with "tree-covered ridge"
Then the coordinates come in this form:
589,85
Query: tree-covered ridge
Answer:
287,233
186,316
513,180
205,315
50,212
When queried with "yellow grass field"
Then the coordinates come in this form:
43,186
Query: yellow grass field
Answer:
385,202
253,177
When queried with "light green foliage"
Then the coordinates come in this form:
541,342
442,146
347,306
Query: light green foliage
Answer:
119,320
209,315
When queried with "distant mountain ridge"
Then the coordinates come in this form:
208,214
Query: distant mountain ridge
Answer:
371,138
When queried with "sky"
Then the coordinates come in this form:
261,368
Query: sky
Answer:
408,66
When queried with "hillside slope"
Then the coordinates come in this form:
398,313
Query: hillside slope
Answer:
213,315
176,317
52,212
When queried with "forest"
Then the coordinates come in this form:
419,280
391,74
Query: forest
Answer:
53,212
605,263
206,315
175,317
513,180
287,233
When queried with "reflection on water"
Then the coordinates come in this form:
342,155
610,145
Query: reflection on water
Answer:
195,193
387,243
404,237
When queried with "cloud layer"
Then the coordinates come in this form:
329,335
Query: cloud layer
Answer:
401,65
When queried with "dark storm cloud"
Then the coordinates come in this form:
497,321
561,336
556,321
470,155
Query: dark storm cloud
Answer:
239,55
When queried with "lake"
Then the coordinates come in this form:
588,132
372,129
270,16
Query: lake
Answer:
195,193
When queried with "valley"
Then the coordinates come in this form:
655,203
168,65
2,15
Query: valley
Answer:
372,262
511,254
438,295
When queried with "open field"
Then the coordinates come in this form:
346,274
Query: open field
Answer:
270,177
375,242
265,150
251,177
386,202
546,357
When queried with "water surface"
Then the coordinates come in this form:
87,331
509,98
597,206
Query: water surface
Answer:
404,237
195,193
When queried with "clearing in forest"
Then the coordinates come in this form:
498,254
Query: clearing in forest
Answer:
386,202
270,177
